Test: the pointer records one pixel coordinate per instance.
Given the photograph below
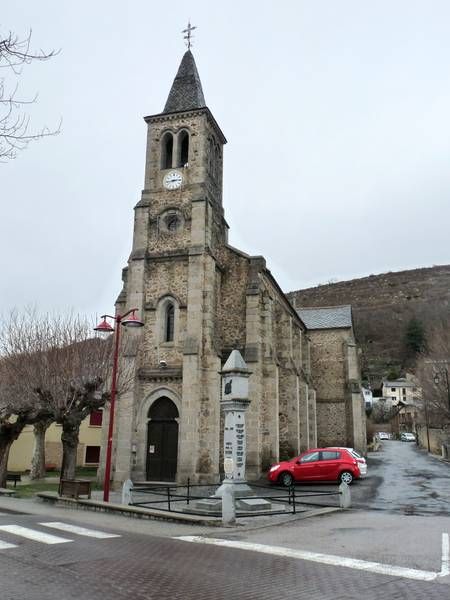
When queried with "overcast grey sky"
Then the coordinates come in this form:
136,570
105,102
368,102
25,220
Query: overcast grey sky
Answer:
338,125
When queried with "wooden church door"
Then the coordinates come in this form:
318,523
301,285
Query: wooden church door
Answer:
162,441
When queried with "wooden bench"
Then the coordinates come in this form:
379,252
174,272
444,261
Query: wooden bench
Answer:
74,488
13,476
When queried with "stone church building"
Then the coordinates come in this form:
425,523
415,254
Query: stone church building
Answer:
200,298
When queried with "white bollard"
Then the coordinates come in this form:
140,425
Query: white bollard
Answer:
345,498
228,505
126,492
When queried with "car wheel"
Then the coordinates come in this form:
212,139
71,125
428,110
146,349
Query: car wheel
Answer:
286,479
346,477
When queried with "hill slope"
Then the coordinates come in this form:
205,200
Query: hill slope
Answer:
382,307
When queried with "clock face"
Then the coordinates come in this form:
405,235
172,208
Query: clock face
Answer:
173,180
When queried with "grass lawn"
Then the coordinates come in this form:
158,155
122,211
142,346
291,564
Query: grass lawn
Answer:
30,489
27,490
80,473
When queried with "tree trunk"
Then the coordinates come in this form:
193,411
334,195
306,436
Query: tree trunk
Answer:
38,461
5,446
69,439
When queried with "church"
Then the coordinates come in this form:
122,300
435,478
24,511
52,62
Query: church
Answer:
200,298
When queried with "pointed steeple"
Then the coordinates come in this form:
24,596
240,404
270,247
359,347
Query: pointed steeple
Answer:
186,92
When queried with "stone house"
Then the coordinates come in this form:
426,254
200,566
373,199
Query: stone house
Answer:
200,298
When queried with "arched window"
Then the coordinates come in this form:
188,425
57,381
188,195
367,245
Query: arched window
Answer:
167,151
210,155
169,325
183,148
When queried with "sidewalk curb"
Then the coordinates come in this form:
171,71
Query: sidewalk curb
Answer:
158,515
128,511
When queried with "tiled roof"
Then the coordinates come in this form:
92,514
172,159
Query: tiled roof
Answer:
327,317
186,92
400,383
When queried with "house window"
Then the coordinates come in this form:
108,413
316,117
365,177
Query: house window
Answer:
170,323
92,455
404,391
392,389
96,418
393,398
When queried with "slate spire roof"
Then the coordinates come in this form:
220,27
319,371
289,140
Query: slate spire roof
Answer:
186,92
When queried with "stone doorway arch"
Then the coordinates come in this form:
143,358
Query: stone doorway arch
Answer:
162,440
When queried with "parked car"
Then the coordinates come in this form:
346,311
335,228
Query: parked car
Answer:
383,435
319,464
360,459
407,437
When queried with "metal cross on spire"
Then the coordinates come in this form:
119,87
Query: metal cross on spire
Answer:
188,34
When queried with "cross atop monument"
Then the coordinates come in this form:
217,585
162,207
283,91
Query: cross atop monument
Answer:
188,34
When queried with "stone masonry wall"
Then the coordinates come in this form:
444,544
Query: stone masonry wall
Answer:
329,368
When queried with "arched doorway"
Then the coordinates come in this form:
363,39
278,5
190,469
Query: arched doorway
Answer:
162,440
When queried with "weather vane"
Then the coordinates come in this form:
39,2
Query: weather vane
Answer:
188,34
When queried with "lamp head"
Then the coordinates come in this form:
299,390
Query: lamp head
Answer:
132,321
104,326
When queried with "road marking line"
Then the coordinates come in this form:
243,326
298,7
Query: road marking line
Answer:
328,559
445,563
32,534
80,530
6,545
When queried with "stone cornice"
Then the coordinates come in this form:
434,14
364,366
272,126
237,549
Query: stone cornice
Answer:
164,117
160,375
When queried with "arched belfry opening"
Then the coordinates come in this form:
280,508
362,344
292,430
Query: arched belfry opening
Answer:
167,151
162,440
183,149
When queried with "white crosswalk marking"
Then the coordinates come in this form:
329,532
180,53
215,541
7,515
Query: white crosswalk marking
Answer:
101,535
5,545
32,534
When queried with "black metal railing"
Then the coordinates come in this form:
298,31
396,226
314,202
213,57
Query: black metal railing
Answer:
168,497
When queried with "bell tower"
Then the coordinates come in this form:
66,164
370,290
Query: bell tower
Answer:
173,276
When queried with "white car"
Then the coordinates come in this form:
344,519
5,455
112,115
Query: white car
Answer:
383,435
407,437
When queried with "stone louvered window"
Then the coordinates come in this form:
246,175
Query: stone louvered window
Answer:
167,151
183,149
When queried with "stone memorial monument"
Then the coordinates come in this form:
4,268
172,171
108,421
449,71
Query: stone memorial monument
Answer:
234,402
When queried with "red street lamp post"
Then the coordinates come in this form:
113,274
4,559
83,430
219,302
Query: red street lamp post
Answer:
105,327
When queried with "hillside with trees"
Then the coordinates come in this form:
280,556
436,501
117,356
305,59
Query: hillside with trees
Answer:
395,315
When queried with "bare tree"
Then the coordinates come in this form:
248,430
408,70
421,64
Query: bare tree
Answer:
62,368
37,470
19,406
433,371
382,411
15,134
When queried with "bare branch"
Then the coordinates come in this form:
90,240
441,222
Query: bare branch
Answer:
14,126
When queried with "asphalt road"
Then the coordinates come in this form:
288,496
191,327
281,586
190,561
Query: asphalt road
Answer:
384,550
408,480
72,565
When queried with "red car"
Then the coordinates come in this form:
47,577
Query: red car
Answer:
319,464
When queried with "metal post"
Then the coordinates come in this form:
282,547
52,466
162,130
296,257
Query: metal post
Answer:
293,498
111,412
188,489
448,388
168,498
427,424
